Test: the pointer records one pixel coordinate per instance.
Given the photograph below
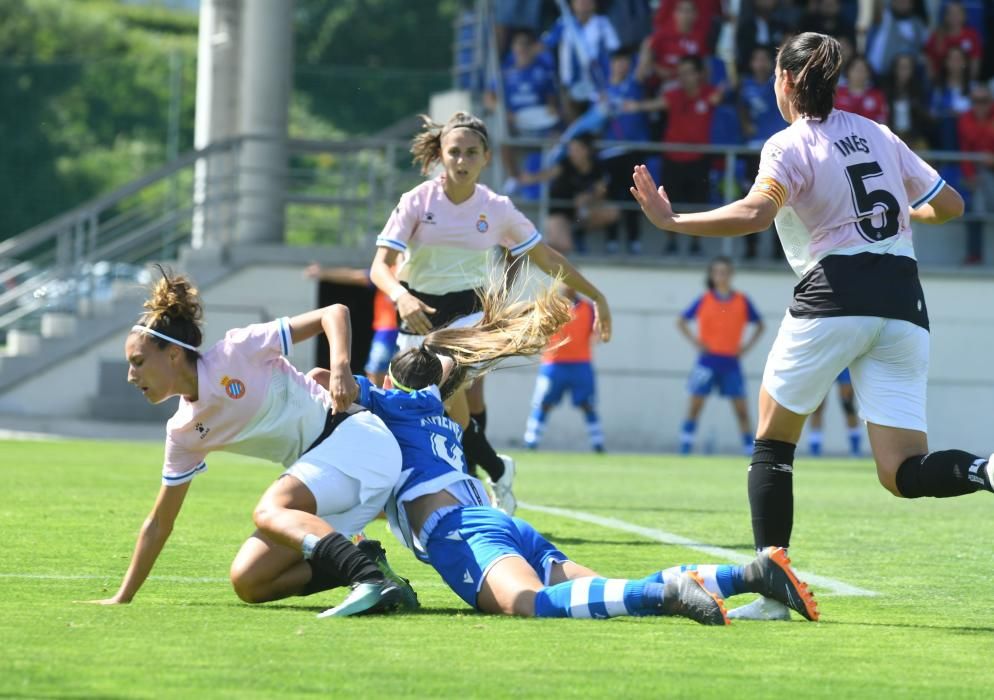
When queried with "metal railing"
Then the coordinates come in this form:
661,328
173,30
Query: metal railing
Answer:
337,193
730,185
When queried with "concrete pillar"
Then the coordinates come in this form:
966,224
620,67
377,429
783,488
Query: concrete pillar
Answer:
265,79
216,119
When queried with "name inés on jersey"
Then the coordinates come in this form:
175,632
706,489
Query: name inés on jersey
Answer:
854,143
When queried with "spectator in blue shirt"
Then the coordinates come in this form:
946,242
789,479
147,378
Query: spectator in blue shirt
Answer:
760,119
529,91
584,42
619,162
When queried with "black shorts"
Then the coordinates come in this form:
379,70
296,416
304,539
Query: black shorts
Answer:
448,307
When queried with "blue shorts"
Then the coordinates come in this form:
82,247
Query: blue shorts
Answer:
556,378
382,350
717,371
468,541
844,377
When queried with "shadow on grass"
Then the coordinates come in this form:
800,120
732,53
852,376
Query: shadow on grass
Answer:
283,607
975,629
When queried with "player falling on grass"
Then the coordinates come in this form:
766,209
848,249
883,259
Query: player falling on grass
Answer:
854,430
448,226
721,315
242,395
384,343
567,366
497,563
843,191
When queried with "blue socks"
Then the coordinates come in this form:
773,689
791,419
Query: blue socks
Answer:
598,598
535,427
687,436
594,431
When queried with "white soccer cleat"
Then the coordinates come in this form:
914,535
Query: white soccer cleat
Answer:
761,609
503,488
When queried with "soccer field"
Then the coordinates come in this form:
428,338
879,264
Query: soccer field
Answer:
72,510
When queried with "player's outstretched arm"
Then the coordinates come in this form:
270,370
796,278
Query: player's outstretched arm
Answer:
552,263
151,539
751,214
335,322
943,207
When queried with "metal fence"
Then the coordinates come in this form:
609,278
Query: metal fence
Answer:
336,194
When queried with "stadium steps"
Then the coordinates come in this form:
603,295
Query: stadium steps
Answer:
106,321
119,401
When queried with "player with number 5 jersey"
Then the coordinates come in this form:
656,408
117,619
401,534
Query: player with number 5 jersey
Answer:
843,191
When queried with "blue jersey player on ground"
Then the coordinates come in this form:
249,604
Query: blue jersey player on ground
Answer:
497,563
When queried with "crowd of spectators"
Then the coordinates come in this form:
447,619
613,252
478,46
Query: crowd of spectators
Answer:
701,72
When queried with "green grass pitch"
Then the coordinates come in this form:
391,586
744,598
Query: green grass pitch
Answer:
71,510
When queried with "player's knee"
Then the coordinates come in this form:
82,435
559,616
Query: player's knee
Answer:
523,605
263,516
246,585
887,475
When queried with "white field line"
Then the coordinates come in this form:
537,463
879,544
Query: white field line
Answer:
832,585
112,577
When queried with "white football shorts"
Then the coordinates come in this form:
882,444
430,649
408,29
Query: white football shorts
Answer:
887,358
351,472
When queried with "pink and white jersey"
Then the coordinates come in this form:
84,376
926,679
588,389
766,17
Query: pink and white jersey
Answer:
250,401
448,245
844,186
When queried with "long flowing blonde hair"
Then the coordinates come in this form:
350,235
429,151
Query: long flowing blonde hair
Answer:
514,324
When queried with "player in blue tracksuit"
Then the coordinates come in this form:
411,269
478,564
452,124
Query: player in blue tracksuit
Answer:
494,562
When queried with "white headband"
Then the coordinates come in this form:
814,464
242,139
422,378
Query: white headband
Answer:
157,334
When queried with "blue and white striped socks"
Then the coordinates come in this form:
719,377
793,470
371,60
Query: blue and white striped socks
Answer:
594,597
721,579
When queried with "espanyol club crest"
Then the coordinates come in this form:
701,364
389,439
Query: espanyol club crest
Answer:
234,388
482,226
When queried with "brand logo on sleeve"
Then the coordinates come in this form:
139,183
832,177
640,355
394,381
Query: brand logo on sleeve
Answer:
202,429
234,388
481,225
429,217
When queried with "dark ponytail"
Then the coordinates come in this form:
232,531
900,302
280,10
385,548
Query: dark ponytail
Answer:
814,61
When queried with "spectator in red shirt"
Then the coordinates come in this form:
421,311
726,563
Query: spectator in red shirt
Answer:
858,94
689,108
670,42
976,135
954,32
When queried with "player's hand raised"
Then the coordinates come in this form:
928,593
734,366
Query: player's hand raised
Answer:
653,200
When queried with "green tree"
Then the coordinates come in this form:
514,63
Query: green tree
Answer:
364,64
84,95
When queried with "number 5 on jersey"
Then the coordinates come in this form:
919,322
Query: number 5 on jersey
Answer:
873,204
